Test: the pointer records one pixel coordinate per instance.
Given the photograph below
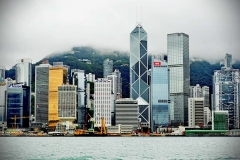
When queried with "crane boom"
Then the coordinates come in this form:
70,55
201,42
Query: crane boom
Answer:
15,119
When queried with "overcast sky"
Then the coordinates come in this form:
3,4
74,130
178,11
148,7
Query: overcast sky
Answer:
36,28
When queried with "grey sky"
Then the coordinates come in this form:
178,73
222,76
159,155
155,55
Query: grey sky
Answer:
34,29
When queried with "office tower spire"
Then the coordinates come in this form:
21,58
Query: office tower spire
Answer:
139,88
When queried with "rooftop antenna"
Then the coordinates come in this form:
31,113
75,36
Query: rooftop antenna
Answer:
138,22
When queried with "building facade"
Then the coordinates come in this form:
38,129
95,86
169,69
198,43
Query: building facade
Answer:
195,112
119,82
226,94
127,112
90,77
41,92
102,101
57,77
23,72
67,103
139,87
107,67
79,79
159,93
178,63
18,106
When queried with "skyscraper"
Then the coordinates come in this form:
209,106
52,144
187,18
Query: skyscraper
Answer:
24,72
107,67
139,88
226,93
159,93
57,77
79,79
178,63
102,101
41,92
119,82
228,61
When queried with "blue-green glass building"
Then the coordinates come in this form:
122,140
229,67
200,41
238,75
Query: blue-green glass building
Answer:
139,87
159,93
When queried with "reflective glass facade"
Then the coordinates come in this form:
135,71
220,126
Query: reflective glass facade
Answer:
159,94
18,103
79,79
226,94
178,63
138,72
41,92
57,77
24,72
107,67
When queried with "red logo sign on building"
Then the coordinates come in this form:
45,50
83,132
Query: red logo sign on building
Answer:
156,64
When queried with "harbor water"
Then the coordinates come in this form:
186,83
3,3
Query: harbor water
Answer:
71,148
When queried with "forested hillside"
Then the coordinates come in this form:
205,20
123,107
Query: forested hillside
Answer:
201,72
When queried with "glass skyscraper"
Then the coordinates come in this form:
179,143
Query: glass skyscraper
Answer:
159,93
107,67
178,63
226,93
41,92
139,88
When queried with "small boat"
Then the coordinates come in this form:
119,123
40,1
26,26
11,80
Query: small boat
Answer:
56,133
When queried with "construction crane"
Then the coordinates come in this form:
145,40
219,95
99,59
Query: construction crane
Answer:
15,119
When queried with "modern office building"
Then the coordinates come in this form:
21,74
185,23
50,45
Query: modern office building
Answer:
197,91
195,112
107,67
2,73
228,61
23,72
102,101
79,79
67,103
159,93
178,63
127,112
57,77
226,93
41,92
90,77
139,87
119,83
18,106
205,95
207,115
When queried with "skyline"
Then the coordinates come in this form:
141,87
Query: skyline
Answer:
34,29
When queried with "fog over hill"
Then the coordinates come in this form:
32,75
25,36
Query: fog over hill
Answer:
201,71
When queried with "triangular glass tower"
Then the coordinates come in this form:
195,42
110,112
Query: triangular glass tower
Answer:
138,73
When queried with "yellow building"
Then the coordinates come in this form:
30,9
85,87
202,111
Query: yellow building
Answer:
57,77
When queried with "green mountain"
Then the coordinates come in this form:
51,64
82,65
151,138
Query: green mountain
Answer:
201,72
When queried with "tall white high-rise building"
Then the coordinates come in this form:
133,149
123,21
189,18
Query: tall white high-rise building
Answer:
102,101
90,77
139,86
178,63
24,71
